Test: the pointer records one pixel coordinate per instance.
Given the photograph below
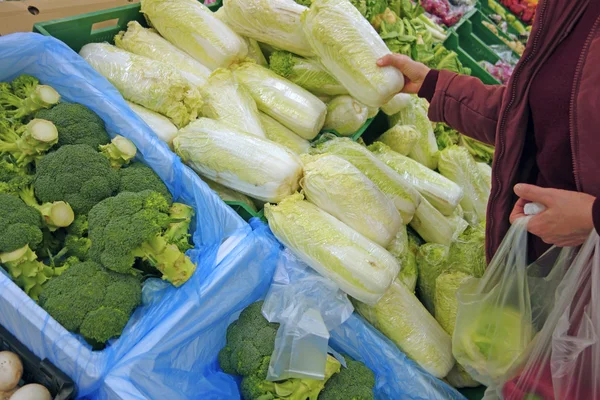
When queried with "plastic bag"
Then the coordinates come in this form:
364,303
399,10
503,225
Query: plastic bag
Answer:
57,65
448,11
499,314
563,362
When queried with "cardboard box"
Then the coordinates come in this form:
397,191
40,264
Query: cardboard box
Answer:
19,16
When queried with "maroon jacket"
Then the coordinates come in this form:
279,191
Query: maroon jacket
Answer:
500,115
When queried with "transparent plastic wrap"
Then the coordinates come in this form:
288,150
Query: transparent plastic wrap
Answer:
240,161
307,73
400,138
56,65
286,102
360,267
228,101
307,306
150,83
441,192
396,104
345,115
274,22
401,317
432,261
435,227
192,27
227,194
457,164
425,149
449,12
162,127
486,171
499,314
404,196
339,188
349,48
148,43
282,135
401,249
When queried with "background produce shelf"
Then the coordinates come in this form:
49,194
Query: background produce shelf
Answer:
61,387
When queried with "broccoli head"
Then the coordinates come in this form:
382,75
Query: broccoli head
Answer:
76,174
76,124
20,225
90,300
355,382
29,142
138,177
130,227
27,98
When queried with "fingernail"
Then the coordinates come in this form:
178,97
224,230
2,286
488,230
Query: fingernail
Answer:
518,186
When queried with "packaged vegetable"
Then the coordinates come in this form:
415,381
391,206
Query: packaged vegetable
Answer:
433,226
345,115
227,194
400,138
282,135
160,125
432,261
396,104
401,249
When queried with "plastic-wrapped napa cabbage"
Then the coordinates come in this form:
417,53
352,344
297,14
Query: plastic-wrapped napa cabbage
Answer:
192,27
457,164
275,22
360,267
396,104
286,102
345,115
240,161
402,318
441,192
486,171
150,83
434,227
227,194
146,42
401,249
307,73
425,149
160,125
282,135
228,101
349,48
432,261
404,196
400,138
339,188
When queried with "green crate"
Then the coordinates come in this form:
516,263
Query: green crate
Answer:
245,211
482,32
95,27
484,6
355,136
471,50
473,393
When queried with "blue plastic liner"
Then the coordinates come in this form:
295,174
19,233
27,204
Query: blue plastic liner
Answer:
56,65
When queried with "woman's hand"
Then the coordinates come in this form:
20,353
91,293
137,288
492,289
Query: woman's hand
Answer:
566,221
414,72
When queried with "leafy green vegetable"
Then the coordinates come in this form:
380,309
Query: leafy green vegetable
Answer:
404,196
402,318
397,103
401,249
147,82
345,115
286,102
245,163
433,226
193,28
280,134
445,301
349,47
467,253
162,127
432,262
339,188
307,73
400,138
480,151
357,265
227,194
255,53
444,135
146,42
486,171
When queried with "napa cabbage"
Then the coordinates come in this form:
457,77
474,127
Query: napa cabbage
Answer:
400,138
400,248
396,104
160,125
282,135
345,115
229,195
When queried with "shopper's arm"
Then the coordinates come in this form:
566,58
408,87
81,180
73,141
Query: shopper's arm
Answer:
462,102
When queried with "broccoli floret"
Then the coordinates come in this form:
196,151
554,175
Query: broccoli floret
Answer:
139,177
77,175
120,151
130,226
90,300
76,124
24,85
27,98
5,87
355,382
20,225
28,143
77,246
178,231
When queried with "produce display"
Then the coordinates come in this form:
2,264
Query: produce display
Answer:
11,387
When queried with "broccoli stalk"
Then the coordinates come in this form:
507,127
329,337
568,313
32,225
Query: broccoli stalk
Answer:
31,142
42,96
178,231
55,215
120,151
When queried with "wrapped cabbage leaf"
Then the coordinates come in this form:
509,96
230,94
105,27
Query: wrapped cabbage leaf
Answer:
432,261
400,138
396,104
162,127
406,256
282,135
345,115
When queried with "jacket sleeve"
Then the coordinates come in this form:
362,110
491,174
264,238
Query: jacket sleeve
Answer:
464,103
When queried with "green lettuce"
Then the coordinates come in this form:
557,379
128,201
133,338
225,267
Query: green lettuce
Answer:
444,135
329,179
357,265
307,73
345,115
240,161
349,48
192,27
404,196
294,107
282,135
141,80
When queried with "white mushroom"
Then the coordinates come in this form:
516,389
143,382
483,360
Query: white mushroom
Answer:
11,370
33,391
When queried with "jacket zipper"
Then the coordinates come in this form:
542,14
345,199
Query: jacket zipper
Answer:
517,72
572,116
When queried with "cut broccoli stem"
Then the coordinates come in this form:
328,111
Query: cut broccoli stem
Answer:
42,96
36,138
27,272
178,231
120,151
55,215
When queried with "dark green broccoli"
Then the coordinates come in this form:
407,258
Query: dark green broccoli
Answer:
76,124
29,142
250,343
76,174
355,382
88,299
77,246
27,97
131,226
24,85
120,151
138,177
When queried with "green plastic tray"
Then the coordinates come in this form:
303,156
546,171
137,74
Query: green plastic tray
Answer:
354,136
473,393
471,50
95,27
245,211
